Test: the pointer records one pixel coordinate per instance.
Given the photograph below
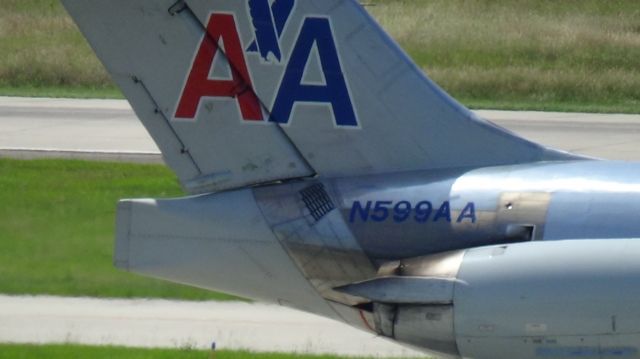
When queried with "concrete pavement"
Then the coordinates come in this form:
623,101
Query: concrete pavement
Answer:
108,129
178,324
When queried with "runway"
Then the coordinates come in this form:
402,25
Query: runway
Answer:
108,129
175,324
63,128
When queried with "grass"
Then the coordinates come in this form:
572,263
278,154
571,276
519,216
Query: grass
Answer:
19,351
545,54
41,48
56,228
578,55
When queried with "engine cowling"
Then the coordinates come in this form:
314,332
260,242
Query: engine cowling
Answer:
556,299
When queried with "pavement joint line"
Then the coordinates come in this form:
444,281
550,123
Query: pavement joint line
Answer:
78,151
25,153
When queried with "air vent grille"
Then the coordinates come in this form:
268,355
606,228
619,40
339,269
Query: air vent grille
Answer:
317,201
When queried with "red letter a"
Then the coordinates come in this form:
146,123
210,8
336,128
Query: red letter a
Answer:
199,84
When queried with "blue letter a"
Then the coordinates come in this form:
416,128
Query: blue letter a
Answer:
334,91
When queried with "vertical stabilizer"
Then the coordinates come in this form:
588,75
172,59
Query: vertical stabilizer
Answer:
243,92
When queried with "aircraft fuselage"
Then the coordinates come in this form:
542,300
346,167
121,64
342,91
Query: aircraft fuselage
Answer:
456,261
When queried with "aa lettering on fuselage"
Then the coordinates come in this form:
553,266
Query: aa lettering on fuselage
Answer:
403,211
269,23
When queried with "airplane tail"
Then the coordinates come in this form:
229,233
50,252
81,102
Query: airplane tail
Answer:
243,92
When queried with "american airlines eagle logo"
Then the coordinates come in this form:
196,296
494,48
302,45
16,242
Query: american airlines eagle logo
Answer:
269,22
314,37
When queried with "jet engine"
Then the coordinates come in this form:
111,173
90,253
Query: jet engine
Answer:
556,299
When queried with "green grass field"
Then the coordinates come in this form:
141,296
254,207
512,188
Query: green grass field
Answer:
42,50
544,54
578,55
18,351
57,224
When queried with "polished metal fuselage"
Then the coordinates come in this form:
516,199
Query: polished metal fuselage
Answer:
540,201
431,258
381,222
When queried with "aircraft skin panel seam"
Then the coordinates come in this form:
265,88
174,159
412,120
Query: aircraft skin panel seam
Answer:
184,149
264,107
295,263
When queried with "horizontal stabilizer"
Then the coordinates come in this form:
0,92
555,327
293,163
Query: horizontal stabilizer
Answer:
217,242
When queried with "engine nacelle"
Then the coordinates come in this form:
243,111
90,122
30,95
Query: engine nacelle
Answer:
556,299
